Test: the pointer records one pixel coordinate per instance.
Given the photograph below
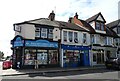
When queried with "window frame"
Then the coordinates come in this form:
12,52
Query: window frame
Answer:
76,37
44,32
65,36
70,37
50,33
84,38
37,31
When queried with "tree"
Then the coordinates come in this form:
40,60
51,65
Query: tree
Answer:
1,55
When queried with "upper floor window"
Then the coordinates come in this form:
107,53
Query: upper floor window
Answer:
43,32
50,33
92,39
84,38
75,37
37,32
97,26
65,36
102,26
70,35
118,30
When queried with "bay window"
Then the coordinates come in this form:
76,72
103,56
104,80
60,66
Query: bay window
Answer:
75,37
50,34
84,38
37,32
70,34
43,32
65,36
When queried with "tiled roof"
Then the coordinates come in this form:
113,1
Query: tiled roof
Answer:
67,25
110,32
94,17
88,26
113,24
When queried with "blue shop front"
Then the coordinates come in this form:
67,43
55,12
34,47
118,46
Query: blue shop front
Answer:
25,52
75,56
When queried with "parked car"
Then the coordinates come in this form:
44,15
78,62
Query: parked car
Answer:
112,62
7,64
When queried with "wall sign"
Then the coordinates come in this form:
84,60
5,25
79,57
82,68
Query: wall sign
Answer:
18,42
41,43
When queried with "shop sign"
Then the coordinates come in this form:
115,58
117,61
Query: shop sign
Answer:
41,43
18,42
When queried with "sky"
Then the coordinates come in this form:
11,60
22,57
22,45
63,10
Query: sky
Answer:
16,11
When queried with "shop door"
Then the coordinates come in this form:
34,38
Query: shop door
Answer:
100,58
94,58
42,58
81,59
17,57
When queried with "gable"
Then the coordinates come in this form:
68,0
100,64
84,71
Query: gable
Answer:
100,18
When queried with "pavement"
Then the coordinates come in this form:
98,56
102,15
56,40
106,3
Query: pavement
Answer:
13,72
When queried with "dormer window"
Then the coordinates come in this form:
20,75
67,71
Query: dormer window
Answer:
99,26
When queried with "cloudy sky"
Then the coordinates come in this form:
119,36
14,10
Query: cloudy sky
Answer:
15,11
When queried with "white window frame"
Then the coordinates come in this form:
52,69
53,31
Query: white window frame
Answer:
65,36
76,37
43,32
50,34
84,38
70,37
37,32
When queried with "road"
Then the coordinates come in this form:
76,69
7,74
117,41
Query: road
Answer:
86,75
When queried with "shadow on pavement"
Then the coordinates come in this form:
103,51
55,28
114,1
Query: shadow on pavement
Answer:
68,73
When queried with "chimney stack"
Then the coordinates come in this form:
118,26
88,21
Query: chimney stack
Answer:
70,20
76,15
52,16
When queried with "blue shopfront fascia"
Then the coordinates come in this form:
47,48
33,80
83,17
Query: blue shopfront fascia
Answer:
74,47
86,62
34,43
41,43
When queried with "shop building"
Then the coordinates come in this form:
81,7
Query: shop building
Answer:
75,45
36,40
115,26
101,38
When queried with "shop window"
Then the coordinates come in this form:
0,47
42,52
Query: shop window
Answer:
50,33
30,55
68,56
43,32
42,56
65,36
75,37
70,35
94,57
53,57
84,38
37,32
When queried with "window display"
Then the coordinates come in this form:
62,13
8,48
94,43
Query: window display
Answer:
53,57
30,56
42,56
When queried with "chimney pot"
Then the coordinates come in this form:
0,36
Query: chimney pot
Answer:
52,16
76,15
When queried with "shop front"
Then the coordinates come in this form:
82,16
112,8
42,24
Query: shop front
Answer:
75,56
26,52
99,54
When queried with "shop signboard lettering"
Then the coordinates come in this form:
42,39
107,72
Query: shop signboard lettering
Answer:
41,43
